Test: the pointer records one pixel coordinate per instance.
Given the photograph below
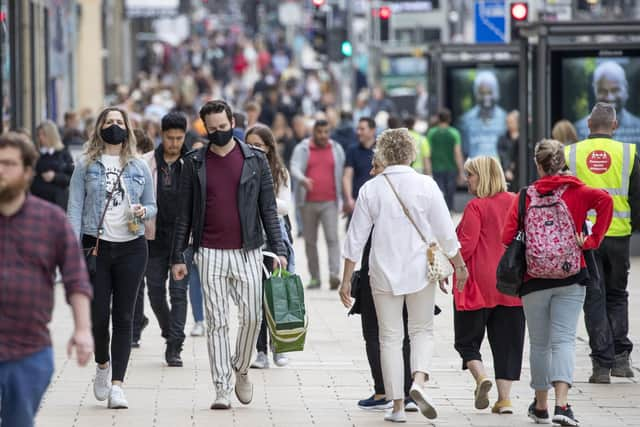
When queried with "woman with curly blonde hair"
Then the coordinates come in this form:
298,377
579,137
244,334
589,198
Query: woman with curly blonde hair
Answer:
111,193
400,202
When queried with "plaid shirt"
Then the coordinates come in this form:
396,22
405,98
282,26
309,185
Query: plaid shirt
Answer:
33,242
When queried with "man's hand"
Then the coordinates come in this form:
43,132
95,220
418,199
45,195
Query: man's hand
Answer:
179,271
461,179
82,340
349,205
48,176
345,294
283,263
307,183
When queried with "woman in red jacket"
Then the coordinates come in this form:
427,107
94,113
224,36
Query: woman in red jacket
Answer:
552,301
479,305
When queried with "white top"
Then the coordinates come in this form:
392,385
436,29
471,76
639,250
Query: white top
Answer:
283,198
398,259
115,221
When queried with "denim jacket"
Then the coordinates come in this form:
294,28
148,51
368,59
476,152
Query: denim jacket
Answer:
88,188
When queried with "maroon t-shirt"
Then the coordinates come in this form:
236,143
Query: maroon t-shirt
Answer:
222,219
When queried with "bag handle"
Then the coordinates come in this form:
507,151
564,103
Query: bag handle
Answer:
522,206
278,272
404,208
94,251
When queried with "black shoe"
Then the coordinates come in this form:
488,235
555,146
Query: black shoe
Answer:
622,366
563,415
172,354
540,416
145,323
600,374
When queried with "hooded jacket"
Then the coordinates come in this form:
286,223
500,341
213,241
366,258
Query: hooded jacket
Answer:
579,199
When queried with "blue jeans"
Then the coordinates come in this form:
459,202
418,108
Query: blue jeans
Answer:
22,385
552,318
195,287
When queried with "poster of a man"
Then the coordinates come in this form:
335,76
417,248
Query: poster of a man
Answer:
610,85
485,123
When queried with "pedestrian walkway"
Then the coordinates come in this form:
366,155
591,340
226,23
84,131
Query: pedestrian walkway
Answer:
320,387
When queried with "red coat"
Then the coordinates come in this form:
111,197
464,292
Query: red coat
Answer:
579,199
479,234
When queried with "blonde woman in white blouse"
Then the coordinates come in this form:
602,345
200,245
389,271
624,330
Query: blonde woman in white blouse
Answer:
398,263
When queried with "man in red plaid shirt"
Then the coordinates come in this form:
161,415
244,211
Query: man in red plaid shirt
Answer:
35,238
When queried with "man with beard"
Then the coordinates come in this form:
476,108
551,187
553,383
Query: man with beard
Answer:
610,86
36,238
484,124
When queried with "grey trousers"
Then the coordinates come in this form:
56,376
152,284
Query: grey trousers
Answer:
325,213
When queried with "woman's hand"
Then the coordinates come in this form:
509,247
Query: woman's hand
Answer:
345,293
138,211
461,277
443,285
580,238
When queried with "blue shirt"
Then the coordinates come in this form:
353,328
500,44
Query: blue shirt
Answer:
359,158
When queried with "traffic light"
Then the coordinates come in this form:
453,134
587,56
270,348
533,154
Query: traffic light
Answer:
519,12
346,48
384,15
318,3
319,38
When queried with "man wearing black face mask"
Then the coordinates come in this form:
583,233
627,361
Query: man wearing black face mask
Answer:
226,198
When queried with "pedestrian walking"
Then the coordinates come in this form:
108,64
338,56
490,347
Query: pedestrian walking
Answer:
226,195
166,164
479,306
554,285
318,165
397,264
111,193
422,164
446,156
358,163
602,162
54,166
36,239
261,137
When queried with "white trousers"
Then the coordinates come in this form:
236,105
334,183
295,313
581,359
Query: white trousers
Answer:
235,273
391,333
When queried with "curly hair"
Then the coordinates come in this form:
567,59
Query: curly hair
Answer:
396,147
94,147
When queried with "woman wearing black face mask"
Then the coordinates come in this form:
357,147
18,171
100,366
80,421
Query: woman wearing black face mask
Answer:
111,192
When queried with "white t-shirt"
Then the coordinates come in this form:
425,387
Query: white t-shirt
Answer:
115,221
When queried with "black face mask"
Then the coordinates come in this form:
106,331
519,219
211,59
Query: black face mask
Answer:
113,135
220,137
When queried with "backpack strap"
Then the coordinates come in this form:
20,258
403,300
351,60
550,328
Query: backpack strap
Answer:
522,206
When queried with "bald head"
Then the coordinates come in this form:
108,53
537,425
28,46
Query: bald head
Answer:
603,118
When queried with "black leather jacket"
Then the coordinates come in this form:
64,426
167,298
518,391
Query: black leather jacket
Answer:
256,203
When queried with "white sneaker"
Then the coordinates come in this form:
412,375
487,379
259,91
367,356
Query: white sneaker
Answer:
280,359
244,388
117,399
395,417
198,330
102,383
222,402
425,404
261,362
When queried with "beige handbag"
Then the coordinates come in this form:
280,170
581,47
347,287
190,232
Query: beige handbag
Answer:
439,266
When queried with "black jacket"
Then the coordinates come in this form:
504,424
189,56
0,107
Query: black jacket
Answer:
56,191
256,203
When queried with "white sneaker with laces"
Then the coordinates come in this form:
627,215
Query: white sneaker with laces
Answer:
244,388
117,399
198,330
425,404
395,417
102,383
261,362
280,359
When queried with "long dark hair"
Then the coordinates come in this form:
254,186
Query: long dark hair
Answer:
278,170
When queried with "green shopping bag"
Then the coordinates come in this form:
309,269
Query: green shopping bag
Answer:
285,311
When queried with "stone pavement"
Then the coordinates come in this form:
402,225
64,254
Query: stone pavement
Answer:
320,387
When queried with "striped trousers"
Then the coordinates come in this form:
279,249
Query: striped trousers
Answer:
237,274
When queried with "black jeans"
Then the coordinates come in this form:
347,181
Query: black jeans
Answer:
120,268
505,329
606,307
138,314
447,183
171,319
369,321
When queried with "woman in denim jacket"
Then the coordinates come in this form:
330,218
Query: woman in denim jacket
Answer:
109,171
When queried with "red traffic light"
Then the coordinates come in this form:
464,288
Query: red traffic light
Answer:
519,11
318,3
384,12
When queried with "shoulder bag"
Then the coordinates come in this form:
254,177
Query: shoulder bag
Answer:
513,264
91,254
439,266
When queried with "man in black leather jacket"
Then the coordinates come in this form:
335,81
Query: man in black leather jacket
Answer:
226,197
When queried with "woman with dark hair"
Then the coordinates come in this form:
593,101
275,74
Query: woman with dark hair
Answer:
111,193
54,168
261,137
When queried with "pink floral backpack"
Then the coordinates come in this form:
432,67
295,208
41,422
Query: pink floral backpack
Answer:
552,250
